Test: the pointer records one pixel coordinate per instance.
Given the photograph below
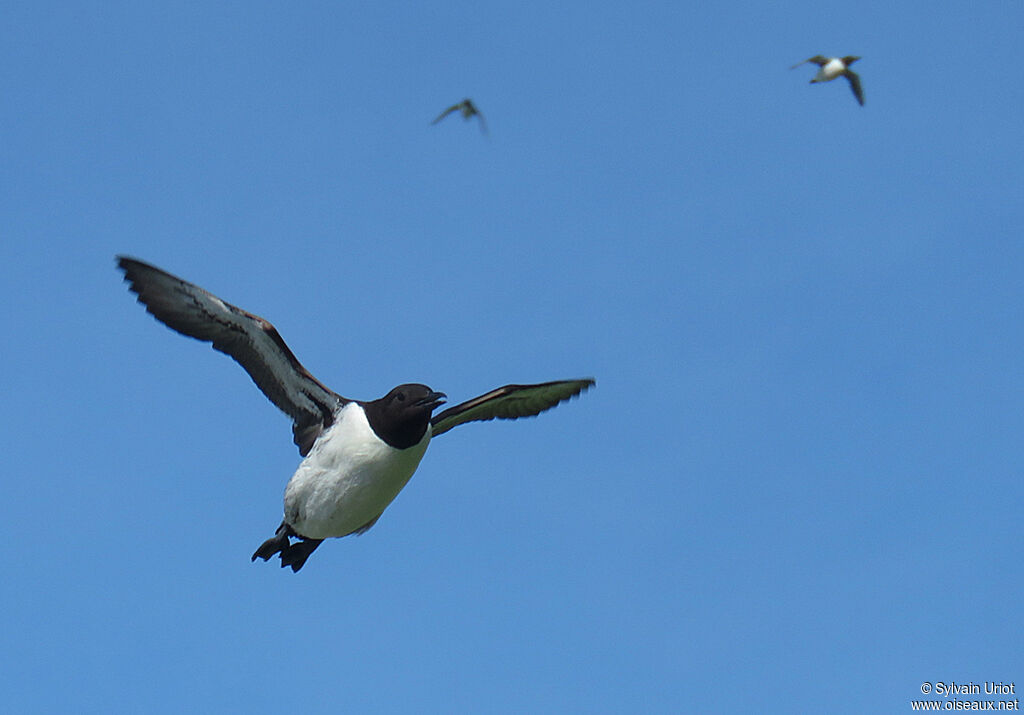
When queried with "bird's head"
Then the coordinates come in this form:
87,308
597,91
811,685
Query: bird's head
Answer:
412,398
401,417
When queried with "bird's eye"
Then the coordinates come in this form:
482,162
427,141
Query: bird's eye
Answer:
400,396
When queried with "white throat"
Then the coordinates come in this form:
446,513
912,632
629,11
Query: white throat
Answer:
349,477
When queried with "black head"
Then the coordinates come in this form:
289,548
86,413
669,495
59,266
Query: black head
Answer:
850,60
400,418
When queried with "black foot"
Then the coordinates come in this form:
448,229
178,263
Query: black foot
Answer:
278,542
296,554
293,555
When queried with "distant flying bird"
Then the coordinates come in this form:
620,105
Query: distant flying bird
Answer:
832,67
357,456
468,110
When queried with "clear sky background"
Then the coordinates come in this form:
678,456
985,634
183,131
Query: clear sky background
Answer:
796,488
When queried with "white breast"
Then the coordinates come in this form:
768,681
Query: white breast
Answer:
348,478
830,70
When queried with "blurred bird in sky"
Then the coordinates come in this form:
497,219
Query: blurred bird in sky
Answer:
833,67
468,110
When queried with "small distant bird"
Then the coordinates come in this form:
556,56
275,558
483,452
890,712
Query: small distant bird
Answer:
468,110
357,456
832,67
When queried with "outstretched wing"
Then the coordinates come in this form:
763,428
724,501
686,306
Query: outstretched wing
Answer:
252,341
855,86
509,403
480,118
819,60
446,112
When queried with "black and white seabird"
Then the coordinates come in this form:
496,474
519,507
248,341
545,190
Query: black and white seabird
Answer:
468,110
357,456
833,67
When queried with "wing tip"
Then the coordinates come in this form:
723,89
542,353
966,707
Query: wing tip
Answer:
133,268
124,263
129,267
585,384
578,387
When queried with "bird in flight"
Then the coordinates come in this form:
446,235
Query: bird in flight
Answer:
832,67
357,455
468,110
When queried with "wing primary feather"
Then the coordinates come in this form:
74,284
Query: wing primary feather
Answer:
250,340
509,402
854,80
817,59
445,113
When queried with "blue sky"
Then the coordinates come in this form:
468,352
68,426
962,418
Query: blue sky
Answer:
796,488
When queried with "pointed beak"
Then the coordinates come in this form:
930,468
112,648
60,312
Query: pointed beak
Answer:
433,400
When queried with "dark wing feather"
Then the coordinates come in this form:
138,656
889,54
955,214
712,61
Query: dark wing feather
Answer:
508,403
483,122
855,86
249,339
446,112
817,59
